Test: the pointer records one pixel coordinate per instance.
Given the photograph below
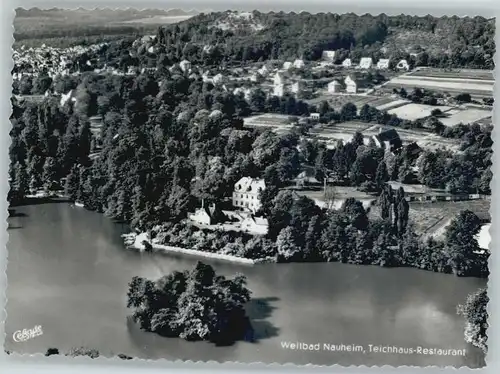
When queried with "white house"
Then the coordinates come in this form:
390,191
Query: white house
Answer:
383,63
279,78
298,64
185,65
314,116
287,65
255,225
246,194
296,87
347,63
328,56
334,86
70,96
351,85
403,65
218,79
365,63
279,90
206,216
264,71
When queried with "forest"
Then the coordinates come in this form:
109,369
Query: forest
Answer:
441,42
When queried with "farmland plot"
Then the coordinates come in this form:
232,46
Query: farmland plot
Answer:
470,115
452,85
415,111
461,73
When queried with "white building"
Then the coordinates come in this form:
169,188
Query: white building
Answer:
219,79
246,195
347,63
279,90
328,56
255,225
185,65
403,65
334,86
264,71
314,116
287,65
383,63
350,85
298,64
296,87
365,63
279,78
70,96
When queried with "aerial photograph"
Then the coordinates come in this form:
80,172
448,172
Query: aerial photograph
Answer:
250,186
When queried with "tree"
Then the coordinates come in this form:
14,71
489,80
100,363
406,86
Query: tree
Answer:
476,318
461,243
286,244
50,170
356,212
385,201
73,183
381,176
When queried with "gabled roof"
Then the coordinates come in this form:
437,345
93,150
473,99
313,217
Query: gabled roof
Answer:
247,184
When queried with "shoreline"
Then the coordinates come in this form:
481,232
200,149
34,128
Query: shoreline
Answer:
136,240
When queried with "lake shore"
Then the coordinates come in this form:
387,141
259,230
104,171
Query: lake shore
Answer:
135,241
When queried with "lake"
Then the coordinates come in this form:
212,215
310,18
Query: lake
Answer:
68,271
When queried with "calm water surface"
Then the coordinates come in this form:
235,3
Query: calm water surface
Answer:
68,272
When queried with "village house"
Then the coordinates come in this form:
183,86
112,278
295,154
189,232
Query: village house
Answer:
328,56
296,87
314,116
219,79
287,65
255,225
185,65
298,64
207,216
347,63
388,140
365,63
246,195
350,85
334,86
279,78
279,90
264,71
403,65
383,63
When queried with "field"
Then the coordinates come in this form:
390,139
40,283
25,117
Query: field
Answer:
337,101
276,122
415,111
341,193
457,73
431,219
476,87
329,134
469,115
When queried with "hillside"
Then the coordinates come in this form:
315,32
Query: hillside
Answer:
460,42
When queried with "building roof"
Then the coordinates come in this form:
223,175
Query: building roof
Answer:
388,135
247,184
